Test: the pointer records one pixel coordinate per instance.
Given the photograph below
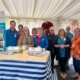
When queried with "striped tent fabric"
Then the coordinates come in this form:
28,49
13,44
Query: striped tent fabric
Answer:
25,70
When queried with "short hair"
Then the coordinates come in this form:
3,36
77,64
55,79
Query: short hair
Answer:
68,27
39,28
77,29
20,25
60,31
34,29
12,21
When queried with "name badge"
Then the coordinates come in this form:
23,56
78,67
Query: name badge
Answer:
43,39
64,39
15,35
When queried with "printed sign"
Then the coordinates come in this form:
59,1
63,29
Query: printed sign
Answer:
2,32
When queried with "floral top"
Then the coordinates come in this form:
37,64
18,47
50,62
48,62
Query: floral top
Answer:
76,45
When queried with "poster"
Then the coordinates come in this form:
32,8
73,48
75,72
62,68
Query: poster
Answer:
75,25
2,32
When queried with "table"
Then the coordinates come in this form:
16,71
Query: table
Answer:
25,67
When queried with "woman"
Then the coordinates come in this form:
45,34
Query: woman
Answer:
26,39
78,60
41,40
51,40
62,45
45,31
34,32
75,52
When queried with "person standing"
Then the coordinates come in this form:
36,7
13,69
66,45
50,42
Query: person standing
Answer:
45,32
41,40
26,39
51,40
11,35
62,45
70,35
75,53
78,58
34,32
20,32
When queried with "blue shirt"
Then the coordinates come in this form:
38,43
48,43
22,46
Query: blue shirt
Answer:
70,35
11,38
43,42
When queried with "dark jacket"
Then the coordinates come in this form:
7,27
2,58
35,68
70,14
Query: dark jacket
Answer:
67,50
51,40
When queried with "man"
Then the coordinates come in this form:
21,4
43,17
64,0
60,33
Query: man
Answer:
70,35
20,32
11,35
51,40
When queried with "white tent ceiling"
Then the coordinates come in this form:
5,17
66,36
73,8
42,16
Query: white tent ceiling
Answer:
41,9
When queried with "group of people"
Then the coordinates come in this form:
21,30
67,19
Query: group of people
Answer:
62,45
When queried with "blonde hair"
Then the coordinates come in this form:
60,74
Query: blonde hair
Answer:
27,29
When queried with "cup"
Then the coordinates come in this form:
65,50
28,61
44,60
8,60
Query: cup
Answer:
23,47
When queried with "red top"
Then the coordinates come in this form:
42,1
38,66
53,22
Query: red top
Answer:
38,41
18,35
47,25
